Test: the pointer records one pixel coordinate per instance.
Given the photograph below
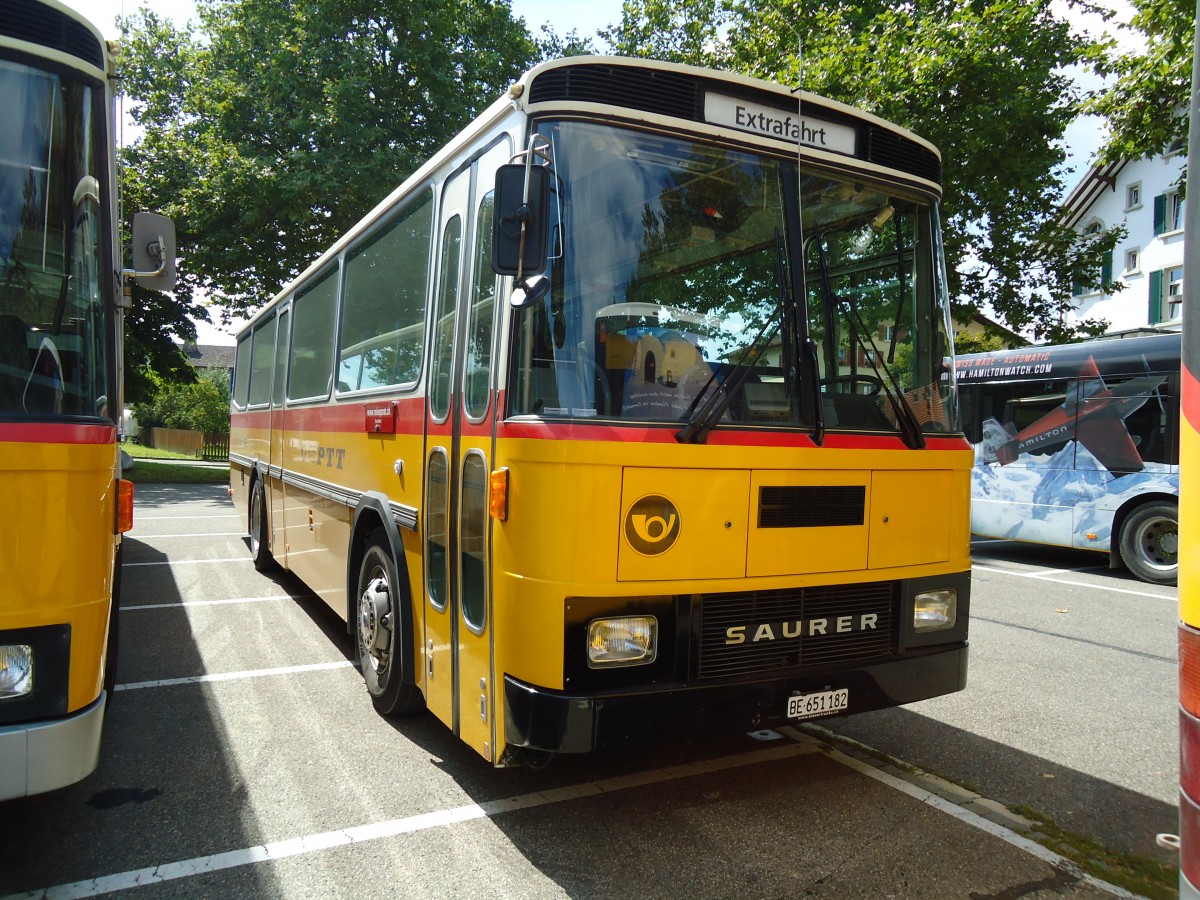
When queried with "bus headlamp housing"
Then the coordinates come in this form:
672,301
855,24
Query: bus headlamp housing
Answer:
623,641
935,610
16,670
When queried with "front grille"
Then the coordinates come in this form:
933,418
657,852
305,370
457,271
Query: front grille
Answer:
815,506
767,618
38,24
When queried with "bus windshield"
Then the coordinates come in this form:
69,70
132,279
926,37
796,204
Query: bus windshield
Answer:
670,272
53,358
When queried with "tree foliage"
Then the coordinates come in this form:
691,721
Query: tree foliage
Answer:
202,405
984,80
1147,106
271,126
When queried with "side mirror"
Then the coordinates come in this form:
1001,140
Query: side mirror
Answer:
153,252
522,199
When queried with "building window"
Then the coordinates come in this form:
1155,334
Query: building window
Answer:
1174,290
1168,212
1133,196
1166,294
1132,261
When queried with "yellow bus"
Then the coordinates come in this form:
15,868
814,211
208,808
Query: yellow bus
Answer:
631,411
65,505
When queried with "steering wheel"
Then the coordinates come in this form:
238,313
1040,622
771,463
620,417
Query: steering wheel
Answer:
873,384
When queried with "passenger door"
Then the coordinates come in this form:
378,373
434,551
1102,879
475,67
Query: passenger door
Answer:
460,413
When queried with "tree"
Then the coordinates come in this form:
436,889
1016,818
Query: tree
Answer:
271,126
200,406
984,80
1147,106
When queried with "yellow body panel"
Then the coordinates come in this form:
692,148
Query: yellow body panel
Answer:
58,540
776,551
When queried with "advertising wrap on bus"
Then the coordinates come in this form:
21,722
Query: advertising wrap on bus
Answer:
1078,446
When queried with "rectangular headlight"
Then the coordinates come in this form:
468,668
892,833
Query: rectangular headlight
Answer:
16,670
935,610
626,641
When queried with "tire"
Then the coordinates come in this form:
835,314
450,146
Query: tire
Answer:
260,540
379,635
1150,542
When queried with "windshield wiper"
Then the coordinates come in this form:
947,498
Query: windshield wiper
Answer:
906,419
704,416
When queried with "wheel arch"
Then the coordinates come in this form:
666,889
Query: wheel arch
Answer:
1123,512
374,512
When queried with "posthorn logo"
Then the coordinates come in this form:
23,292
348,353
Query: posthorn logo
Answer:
652,525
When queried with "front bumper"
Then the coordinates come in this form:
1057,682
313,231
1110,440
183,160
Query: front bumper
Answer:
559,722
43,756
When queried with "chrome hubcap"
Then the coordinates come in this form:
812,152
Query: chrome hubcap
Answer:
375,622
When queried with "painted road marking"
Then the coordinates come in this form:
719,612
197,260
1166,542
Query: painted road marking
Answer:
1083,584
234,676
314,843
190,603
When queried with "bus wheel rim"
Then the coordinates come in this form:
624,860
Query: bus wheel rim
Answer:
374,628
1158,542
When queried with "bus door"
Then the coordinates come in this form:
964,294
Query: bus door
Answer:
276,498
459,428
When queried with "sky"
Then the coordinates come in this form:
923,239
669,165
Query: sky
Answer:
1083,138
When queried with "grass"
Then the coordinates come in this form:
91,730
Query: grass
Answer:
137,451
150,472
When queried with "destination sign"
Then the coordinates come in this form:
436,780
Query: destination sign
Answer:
769,121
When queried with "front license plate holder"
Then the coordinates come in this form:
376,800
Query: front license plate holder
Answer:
818,703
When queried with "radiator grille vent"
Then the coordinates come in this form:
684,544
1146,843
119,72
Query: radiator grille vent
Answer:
803,506
865,612
682,96
34,23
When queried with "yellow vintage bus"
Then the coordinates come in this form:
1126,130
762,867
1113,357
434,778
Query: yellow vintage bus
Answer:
631,411
65,504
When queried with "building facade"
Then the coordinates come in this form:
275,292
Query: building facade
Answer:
1143,196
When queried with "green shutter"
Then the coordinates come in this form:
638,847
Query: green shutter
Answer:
1160,214
1155,307
1106,271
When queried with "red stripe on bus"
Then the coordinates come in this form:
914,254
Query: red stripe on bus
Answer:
56,433
350,418
1190,399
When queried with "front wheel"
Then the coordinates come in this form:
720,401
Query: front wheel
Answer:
380,637
1150,542
260,542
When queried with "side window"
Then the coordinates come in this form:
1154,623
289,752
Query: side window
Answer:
311,357
1127,426
443,321
383,304
481,321
1027,423
281,358
262,362
241,373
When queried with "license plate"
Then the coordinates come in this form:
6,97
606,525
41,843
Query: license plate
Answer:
822,703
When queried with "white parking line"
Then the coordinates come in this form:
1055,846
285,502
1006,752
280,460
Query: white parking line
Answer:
1041,576
185,604
314,843
234,676
142,518
191,534
186,562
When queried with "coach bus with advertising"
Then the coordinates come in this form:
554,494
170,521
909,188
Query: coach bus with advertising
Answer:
65,504
1078,446
626,412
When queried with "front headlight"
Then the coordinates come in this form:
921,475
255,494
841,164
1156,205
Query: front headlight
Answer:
626,641
935,610
16,670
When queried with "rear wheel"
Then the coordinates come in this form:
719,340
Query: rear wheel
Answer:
380,636
260,542
1150,542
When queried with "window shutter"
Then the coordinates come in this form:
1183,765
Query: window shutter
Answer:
1155,307
1160,214
1106,271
